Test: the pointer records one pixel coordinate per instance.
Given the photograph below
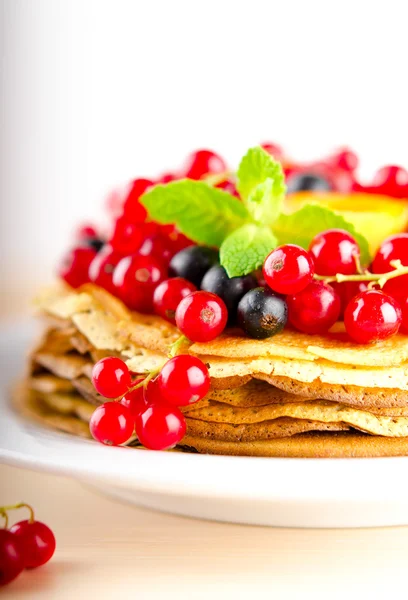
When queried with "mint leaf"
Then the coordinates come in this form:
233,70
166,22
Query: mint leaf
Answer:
205,214
245,249
262,205
302,226
255,168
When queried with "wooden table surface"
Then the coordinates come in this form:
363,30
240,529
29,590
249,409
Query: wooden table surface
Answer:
106,549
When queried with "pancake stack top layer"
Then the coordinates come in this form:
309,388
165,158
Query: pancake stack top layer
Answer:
291,395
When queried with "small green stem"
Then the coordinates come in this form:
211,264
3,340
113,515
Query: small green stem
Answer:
4,509
374,278
4,514
179,343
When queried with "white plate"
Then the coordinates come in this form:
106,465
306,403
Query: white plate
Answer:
264,491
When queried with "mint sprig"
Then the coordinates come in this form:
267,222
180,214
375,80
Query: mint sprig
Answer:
205,214
245,250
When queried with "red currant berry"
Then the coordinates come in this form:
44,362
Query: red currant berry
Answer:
135,278
168,295
288,269
37,541
372,316
158,246
178,241
228,186
394,247
86,231
152,392
127,237
102,268
334,251
347,290
392,181
135,400
168,177
75,266
201,316
11,557
345,159
273,149
133,210
203,162
160,426
111,377
404,323
112,424
315,309
184,380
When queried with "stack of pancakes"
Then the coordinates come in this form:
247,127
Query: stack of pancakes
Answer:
292,395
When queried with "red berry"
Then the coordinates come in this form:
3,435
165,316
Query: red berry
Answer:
86,231
347,290
392,180
135,278
135,400
158,246
112,424
133,210
344,159
152,392
102,268
404,323
127,237
111,377
160,426
168,177
11,557
288,269
37,542
74,267
201,316
168,295
372,316
203,162
184,380
273,149
228,186
315,309
334,251
394,247
178,241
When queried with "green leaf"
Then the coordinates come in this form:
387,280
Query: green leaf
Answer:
302,226
262,205
255,168
245,249
205,214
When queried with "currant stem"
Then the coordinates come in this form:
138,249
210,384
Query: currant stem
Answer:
4,509
4,514
375,278
179,343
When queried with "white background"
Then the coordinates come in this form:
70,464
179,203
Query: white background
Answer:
95,92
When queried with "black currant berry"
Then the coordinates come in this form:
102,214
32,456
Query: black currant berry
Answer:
192,263
94,243
307,182
229,289
262,314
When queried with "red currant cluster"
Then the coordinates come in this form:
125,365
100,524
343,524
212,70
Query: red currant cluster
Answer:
136,255
338,173
149,406
327,282
26,545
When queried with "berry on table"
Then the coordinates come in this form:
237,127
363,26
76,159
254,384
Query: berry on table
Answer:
304,181
229,289
103,266
288,269
11,557
168,295
372,316
36,540
335,251
133,210
393,248
161,426
74,267
135,279
183,380
315,309
112,424
203,162
201,316
192,263
262,314
111,377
